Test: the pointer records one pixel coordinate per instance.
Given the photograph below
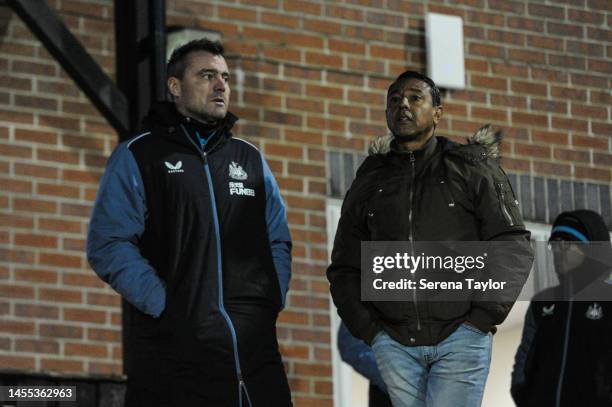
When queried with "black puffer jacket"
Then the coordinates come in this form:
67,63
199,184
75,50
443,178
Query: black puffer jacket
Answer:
444,192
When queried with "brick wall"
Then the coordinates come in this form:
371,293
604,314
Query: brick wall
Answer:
315,75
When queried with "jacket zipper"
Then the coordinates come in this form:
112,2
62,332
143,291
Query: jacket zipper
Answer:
502,202
568,323
410,232
228,321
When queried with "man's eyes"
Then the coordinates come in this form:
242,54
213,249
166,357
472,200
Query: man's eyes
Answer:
412,98
211,75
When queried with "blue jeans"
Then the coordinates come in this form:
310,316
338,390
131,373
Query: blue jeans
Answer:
451,373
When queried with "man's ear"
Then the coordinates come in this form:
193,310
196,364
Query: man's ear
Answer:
174,86
438,111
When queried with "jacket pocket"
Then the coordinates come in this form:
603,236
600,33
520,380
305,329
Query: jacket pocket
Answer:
508,204
448,196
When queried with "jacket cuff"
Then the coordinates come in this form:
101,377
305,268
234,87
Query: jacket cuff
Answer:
481,320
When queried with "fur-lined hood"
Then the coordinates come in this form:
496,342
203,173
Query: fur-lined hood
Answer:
485,138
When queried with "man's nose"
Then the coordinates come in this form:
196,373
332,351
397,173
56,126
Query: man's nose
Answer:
220,84
405,104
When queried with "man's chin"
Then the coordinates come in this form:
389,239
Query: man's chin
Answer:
404,138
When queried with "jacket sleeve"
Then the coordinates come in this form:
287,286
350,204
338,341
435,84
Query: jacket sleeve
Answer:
278,231
497,213
359,356
116,225
344,272
519,388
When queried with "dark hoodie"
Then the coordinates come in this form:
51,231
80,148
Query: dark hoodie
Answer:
565,355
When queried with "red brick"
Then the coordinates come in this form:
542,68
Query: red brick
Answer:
16,221
36,276
570,124
15,151
585,48
26,363
62,366
509,101
87,177
17,327
39,102
84,315
62,157
104,335
232,13
531,150
36,311
603,159
546,168
565,61
281,20
13,116
36,136
488,82
60,260
35,240
550,137
86,350
305,105
284,150
541,10
60,295
307,7
344,13
327,92
534,41
522,55
58,190
530,119
36,346
59,122
589,80
298,202
59,225
569,30
589,17
75,245
16,256
546,105
598,143
568,93
312,369
322,26
490,114
287,119
572,155
11,185
82,280
593,173
601,128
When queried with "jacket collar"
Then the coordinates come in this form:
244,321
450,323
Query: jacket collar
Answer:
165,120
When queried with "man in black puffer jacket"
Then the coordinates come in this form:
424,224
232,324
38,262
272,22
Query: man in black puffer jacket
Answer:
565,355
416,187
189,227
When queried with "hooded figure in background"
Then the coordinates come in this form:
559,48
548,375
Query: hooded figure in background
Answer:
565,355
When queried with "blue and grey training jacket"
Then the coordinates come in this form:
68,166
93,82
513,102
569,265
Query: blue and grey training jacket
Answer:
195,240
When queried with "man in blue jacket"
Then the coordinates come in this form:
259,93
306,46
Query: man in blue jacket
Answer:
189,227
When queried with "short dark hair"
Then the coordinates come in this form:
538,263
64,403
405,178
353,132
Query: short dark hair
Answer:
433,88
178,60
